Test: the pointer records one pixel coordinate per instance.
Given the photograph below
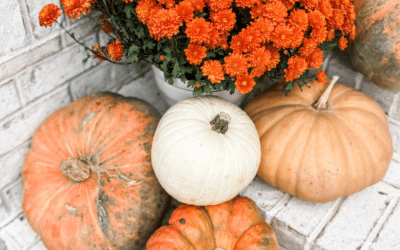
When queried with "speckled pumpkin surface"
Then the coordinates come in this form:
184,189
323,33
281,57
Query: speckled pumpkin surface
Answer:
375,51
232,225
88,182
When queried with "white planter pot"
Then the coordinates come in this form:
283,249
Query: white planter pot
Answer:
179,91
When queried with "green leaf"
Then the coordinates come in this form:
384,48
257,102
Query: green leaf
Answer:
197,91
170,81
129,10
176,69
198,75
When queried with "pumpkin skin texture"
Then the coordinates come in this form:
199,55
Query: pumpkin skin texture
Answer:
197,165
233,225
322,154
375,51
87,179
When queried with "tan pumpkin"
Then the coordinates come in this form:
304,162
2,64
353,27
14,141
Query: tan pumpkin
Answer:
88,181
233,225
321,143
375,51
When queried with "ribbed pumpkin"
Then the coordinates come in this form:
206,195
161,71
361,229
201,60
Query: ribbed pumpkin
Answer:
321,143
375,51
88,181
232,225
205,151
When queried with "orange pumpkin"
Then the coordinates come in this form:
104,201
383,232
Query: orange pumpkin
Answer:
233,225
321,143
88,181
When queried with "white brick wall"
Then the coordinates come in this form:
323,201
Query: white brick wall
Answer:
41,70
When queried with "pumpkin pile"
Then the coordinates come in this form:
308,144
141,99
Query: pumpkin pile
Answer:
323,142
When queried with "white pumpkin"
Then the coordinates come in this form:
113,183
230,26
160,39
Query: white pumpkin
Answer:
201,164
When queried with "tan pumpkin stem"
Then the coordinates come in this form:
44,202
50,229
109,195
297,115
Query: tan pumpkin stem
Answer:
75,170
322,102
220,123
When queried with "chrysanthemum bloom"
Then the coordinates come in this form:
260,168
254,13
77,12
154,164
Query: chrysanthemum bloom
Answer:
258,71
198,30
105,24
49,14
245,3
316,19
198,4
330,35
319,34
275,57
213,69
315,59
235,64
245,83
239,43
259,57
321,76
115,50
276,11
325,7
98,51
223,20
308,47
165,23
297,65
145,10
185,11
74,8
253,37
338,18
309,4
282,36
214,38
195,53
265,27
127,1
257,10
342,43
297,38
218,5
170,4
197,85
161,58
299,19
162,1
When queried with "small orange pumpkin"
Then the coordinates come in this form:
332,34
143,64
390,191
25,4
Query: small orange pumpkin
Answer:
321,143
233,225
88,182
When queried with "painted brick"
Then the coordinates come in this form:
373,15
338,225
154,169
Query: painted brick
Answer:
4,214
11,165
300,216
394,129
30,57
81,29
354,220
388,237
128,74
19,227
9,101
53,72
21,126
395,109
12,30
339,65
382,96
34,8
3,245
38,246
13,196
392,177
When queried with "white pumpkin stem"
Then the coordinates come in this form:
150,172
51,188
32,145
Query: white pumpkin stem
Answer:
321,104
75,169
220,123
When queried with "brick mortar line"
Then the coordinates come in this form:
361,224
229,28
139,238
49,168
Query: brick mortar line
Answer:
321,225
279,205
375,231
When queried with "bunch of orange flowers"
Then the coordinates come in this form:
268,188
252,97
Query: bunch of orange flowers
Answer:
252,37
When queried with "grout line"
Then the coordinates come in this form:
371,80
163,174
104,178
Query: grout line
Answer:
279,205
375,231
321,225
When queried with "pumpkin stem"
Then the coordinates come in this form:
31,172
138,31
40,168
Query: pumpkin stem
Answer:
220,123
321,104
75,169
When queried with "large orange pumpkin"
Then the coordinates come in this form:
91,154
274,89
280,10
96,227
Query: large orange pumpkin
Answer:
233,225
375,51
321,143
88,181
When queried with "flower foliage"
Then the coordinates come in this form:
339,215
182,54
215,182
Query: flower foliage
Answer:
219,44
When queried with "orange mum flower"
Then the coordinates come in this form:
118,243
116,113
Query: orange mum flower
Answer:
198,4
170,4
253,37
309,45
297,65
338,18
239,43
161,58
282,36
105,24
325,7
49,14
218,5
321,76
223,20
319,34
299,19
275,11
198,30
330,35
98,51
315,59
257,10
259,57
275,57
185,11
165,23
316,18
245,83
145,10
309,4
265,27
258,71
195,53
213,69
197,85
214,38
127,1
235,65
245,3
342,43
74,8
115,50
